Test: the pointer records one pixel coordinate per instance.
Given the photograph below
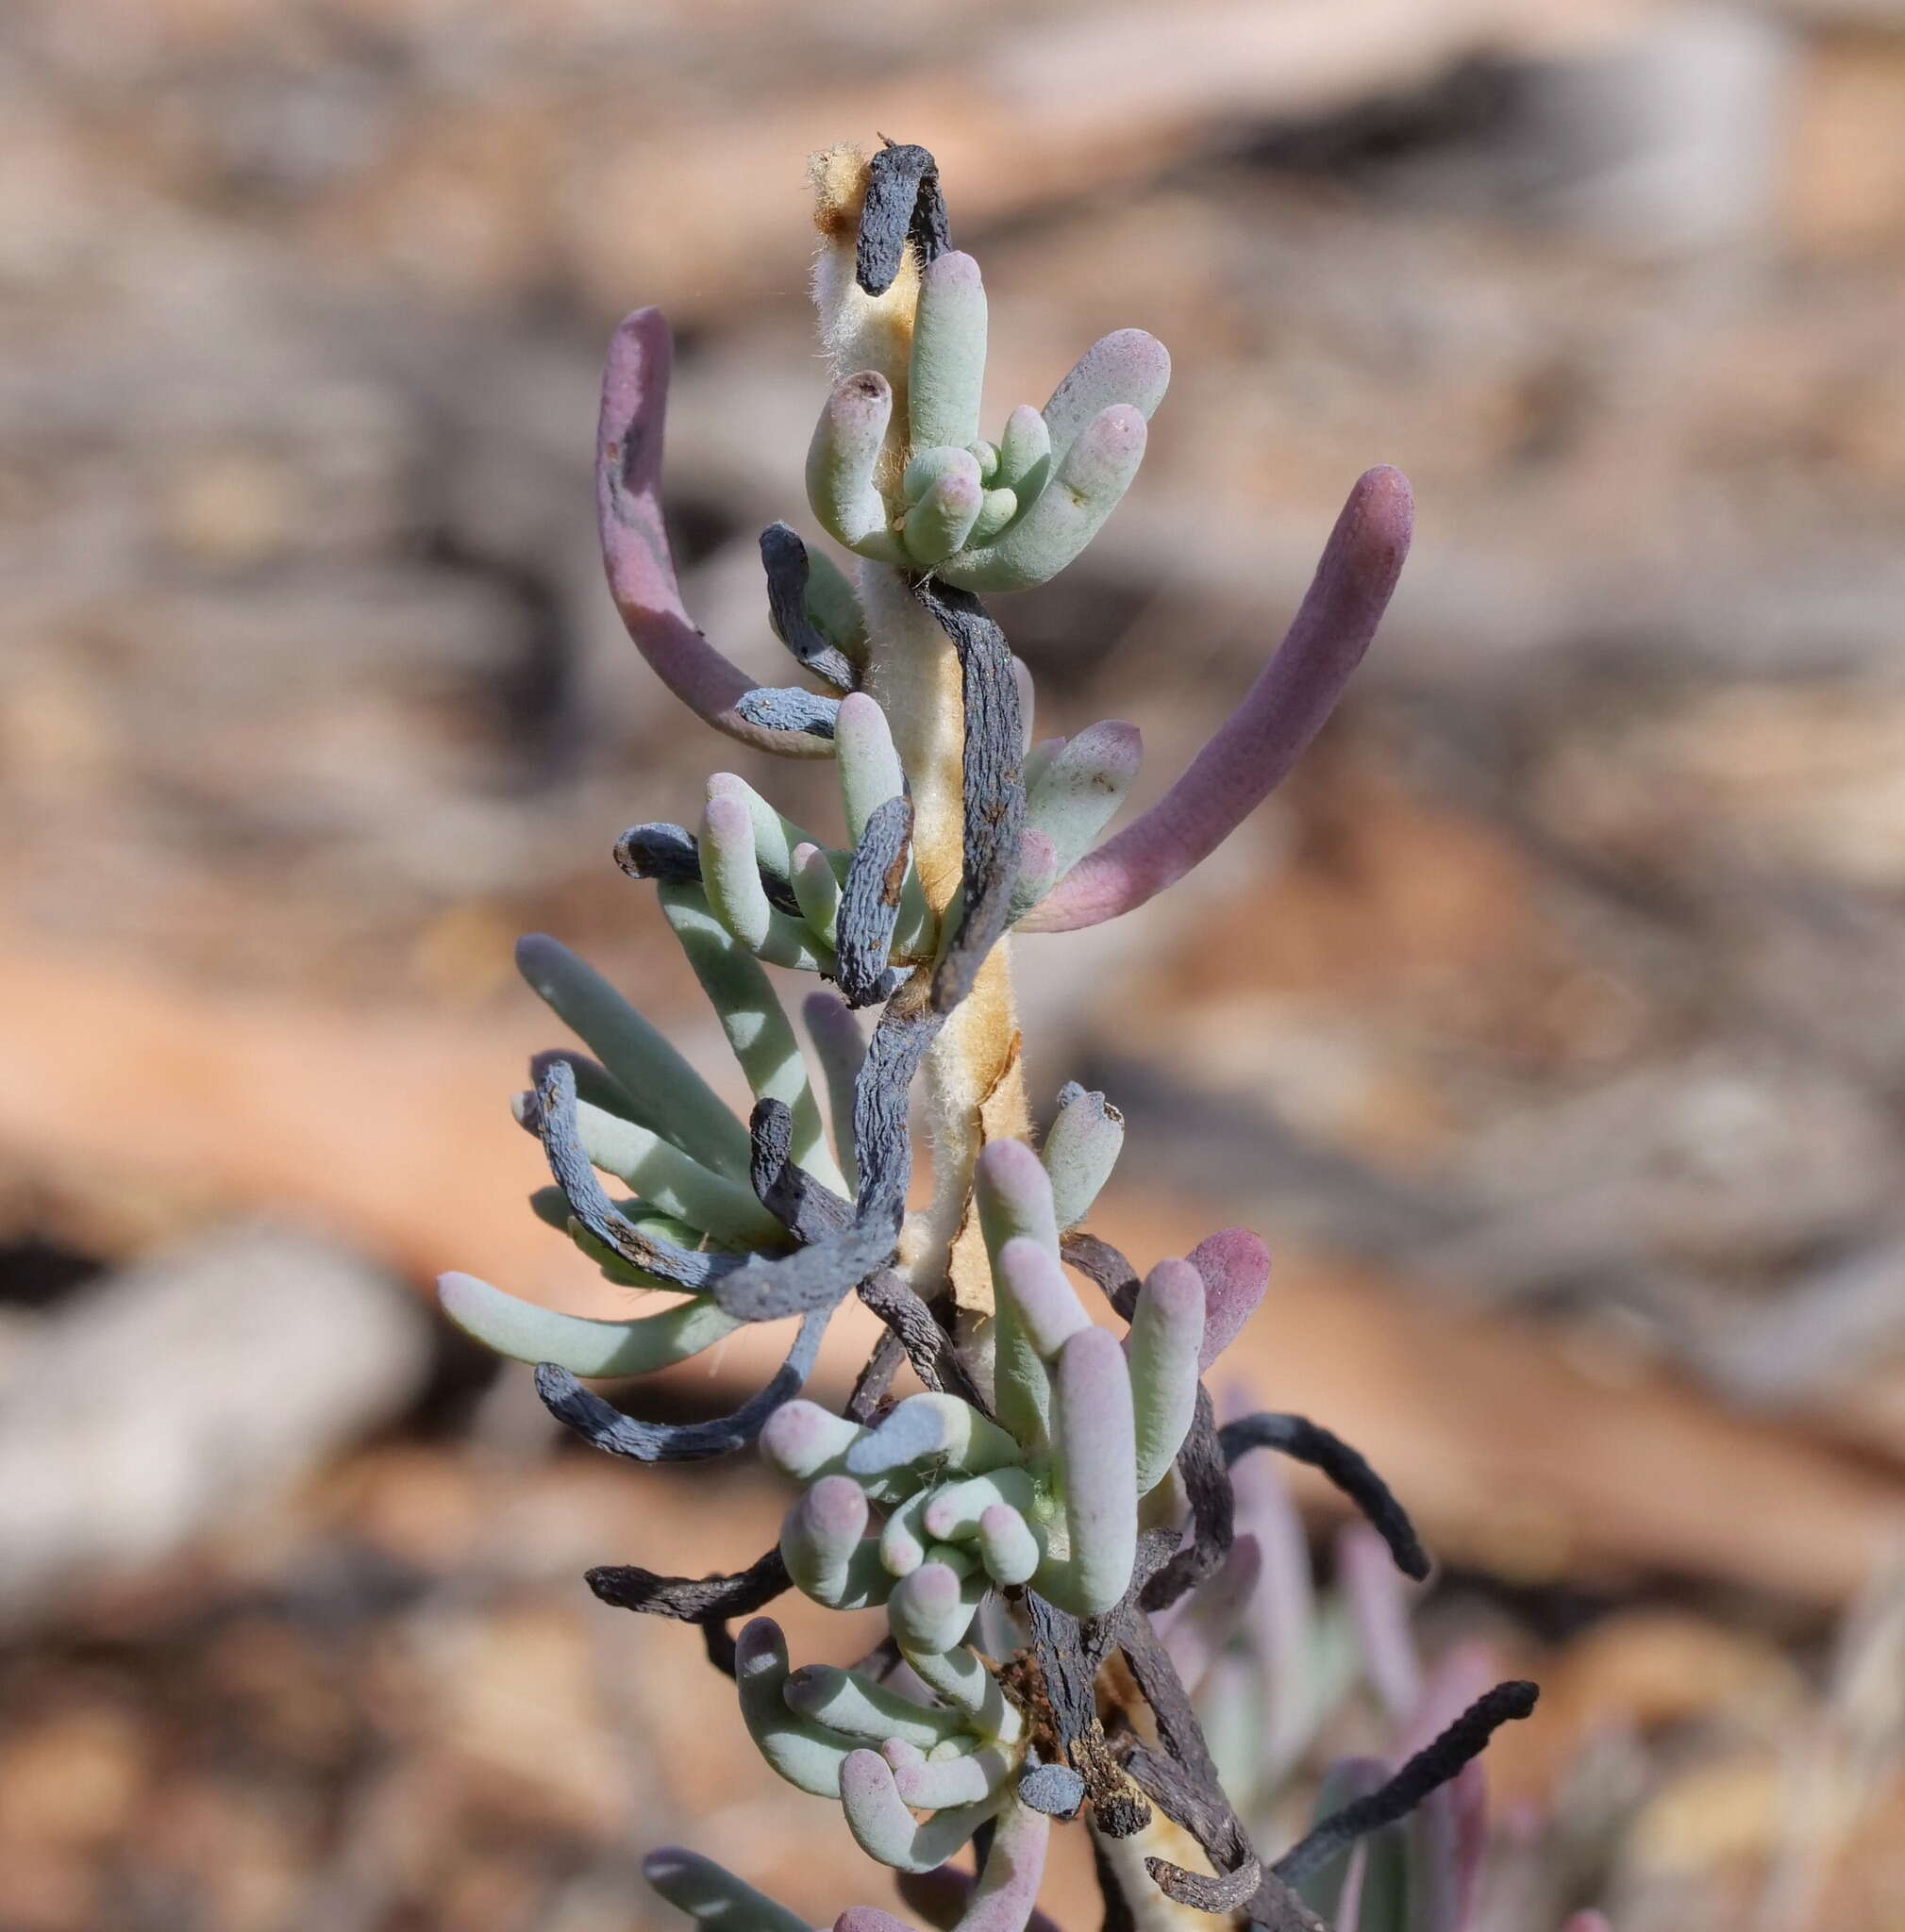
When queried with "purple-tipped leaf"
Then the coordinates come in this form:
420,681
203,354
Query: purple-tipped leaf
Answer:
804,1440
805,1753
944,517
1235,1266
1009,1547
1037,1311
1167,1329
828,1552
817,893
841,462
775,835
635,544
1045,1305
1014,1195
902,1535
1127,366
886,1830
730,873
953,1510
870,770
931,1608
1249,753
1095,1438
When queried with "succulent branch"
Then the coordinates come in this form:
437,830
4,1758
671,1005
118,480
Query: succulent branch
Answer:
1050,1524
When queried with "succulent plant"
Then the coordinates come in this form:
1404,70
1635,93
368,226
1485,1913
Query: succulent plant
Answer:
1053,1487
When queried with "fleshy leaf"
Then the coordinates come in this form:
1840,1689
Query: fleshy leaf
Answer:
712,1896
841,462
1127,366
1235,1266
846,1702
527,1333
825,1542
1079,1153
944,517
1088,484
751,1013
885,1829
948,354
1250,753
1081,786
1166,1331
635,544
675,1101
969,1777
805,1753
1094,1435
932,1607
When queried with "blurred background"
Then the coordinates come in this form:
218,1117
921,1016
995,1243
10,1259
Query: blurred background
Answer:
1549,1023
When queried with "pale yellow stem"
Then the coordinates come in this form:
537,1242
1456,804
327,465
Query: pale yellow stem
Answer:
974,1088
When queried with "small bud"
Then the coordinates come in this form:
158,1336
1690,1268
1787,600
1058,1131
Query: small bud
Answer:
1090,482
1025,453
1079,1153
944,517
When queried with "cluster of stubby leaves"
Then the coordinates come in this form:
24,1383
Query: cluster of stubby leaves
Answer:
1019,1538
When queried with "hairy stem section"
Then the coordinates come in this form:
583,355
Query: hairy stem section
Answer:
1151,1911
974,1088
